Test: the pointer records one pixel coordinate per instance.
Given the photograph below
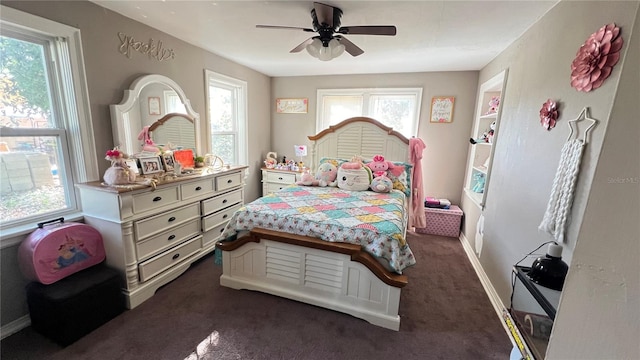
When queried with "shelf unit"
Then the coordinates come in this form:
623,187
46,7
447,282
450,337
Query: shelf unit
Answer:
481,153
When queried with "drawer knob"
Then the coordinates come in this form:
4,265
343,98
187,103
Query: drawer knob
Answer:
171,237
198,188
221,230
224,201
280,178
229,181
175,256
157,198
173,218
225,216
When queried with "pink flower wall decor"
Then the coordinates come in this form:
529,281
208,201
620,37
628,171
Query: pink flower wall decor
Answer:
596,58
549,114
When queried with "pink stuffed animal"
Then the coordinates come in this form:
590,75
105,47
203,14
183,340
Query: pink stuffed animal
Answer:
379,166
325,176
148,142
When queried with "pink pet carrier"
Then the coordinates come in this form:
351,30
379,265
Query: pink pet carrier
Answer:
56,251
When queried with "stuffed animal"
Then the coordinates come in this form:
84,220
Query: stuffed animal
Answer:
480,181
354,176
381,184
148,142
379,166
325,176
494,104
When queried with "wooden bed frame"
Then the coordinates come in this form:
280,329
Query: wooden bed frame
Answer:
336,276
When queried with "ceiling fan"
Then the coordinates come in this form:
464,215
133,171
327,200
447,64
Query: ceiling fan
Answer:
330,42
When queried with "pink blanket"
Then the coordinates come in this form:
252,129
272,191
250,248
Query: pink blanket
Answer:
416,214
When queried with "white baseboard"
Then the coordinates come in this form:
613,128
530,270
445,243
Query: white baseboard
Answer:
495,300
14,326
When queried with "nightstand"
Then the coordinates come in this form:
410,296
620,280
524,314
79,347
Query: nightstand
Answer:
274,180
533,307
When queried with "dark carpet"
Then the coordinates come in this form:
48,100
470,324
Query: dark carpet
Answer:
445,314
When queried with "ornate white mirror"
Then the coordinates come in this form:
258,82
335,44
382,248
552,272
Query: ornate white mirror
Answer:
159,103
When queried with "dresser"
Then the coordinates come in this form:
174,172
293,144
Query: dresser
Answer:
152,235
274,180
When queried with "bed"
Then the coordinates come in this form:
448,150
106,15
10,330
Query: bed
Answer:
345,263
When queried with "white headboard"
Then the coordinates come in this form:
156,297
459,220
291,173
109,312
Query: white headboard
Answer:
361,136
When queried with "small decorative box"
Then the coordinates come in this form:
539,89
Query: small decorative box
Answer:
443,222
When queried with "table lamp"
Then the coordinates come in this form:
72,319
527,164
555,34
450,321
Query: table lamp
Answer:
550,271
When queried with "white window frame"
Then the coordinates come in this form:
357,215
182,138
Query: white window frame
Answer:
239,88
71,110
367,106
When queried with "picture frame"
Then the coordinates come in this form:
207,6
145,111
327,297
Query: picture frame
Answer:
292,105
154,105
151,165
133,165
168,161
442,109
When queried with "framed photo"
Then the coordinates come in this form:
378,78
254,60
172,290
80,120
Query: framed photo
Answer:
292,106
442,109
168,161
151,165
133,165
154,105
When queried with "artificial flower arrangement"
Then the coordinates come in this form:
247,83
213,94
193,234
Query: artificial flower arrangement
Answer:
119,173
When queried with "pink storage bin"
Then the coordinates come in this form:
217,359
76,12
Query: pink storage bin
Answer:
55,251
443,222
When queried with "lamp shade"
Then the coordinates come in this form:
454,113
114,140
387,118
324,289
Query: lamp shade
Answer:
550,271
325,51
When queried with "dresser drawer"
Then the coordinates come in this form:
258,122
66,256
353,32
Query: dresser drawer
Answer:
155,224
280,178
158,243
196,188
221,201
275,187
213,220
213,234
160,263
155,199
228,181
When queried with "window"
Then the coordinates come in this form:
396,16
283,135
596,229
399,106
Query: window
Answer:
44,121
396,108
227,117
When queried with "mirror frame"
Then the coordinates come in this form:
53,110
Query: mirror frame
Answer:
124,135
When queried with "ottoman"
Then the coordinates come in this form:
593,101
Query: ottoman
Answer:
443,222
72,307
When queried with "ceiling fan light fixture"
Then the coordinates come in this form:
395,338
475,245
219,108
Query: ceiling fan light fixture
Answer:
336,48
314,48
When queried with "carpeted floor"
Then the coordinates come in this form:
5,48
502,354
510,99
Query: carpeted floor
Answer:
444,309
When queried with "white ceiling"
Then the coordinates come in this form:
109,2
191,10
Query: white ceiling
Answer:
431,35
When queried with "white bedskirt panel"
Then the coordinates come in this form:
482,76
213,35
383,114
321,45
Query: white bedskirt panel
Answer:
322,278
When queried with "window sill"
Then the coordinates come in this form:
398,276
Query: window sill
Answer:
12,236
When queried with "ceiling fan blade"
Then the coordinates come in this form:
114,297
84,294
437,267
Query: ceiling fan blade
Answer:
327,14
302,46
368,30
284,27
350,47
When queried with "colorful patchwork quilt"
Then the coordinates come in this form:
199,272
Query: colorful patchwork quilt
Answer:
376,221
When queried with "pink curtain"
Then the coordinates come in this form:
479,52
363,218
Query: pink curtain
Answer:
416,213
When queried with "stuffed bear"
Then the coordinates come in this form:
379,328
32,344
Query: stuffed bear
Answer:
381,184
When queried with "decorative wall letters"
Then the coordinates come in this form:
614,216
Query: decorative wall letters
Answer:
151,48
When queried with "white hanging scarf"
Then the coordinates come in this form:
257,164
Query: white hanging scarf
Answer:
555,218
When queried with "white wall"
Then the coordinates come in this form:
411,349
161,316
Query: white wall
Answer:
598,314
447,144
